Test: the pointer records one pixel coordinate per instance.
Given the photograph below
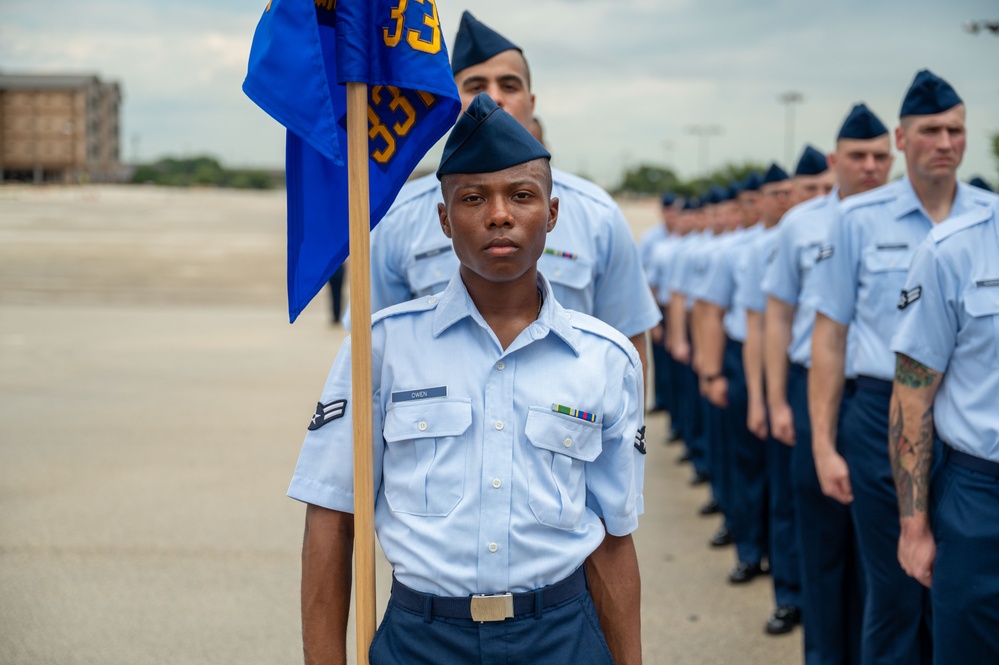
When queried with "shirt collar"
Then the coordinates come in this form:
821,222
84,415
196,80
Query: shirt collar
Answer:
907,202
455,304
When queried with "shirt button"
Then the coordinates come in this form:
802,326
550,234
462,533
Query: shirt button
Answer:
493,547
422,425
497,483
558,273
567,315
501,365
437,273
431,300
567,442
499,425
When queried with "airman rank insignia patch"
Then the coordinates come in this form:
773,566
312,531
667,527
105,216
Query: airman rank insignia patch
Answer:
909,297
328,412
825,252
640,440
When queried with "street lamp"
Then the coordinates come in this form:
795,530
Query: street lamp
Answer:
703,132
975,26
788,99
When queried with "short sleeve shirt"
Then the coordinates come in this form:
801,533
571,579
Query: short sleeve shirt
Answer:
862,269
493,467
949,321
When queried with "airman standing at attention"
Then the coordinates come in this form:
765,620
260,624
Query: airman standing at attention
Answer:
509,455
861,270
591,259
831,592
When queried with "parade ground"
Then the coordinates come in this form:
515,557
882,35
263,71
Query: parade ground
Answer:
153,400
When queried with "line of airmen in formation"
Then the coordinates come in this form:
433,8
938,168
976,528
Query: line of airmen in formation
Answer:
776,362
779,360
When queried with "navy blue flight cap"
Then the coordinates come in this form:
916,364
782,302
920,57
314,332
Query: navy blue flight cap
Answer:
476,42
980,183
668,199
812,162
692,203
733,190
862,124
487,139
716,194
928,94
752,182
774,174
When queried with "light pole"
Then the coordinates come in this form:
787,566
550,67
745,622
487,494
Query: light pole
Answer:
703,132
789,99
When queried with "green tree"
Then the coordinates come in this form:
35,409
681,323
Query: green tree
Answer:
647,179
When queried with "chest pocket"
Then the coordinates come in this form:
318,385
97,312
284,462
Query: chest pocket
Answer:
560,448
424,465
886,270
982,306
430,271
574,273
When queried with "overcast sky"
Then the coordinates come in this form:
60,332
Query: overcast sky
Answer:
617,83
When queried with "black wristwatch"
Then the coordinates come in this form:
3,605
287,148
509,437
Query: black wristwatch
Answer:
713,377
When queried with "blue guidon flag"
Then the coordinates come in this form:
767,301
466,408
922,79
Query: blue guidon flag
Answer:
303,53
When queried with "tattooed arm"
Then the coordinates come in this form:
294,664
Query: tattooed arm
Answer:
910,446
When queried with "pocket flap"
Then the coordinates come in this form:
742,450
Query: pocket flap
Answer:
982,302
431,268
564,435
884,260
425,419
572,272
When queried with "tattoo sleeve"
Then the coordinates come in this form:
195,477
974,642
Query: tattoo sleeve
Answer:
910,433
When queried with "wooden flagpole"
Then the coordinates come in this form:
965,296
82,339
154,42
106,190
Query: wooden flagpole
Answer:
360,314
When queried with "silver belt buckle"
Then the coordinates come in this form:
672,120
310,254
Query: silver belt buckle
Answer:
492,607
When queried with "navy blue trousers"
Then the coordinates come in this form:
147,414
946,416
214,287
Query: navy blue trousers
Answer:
832,599
720,459
896,607
748,480
695,421
965,593
567,633
785,564
660,373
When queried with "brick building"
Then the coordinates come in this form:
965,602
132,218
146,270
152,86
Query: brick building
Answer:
59,128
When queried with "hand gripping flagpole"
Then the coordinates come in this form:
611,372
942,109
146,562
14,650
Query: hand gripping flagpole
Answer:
360,307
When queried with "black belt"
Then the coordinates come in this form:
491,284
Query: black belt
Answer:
984,466
871,384
489,607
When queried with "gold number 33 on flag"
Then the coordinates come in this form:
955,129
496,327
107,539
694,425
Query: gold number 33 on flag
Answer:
415,37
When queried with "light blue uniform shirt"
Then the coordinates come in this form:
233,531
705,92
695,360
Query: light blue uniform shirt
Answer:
863,267
481,486
647,244
726,275
801,233
949,321
590,258
685,265
661,264
761,252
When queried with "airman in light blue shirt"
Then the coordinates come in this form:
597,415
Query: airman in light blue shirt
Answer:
591,258
508,448
857,281
947,380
